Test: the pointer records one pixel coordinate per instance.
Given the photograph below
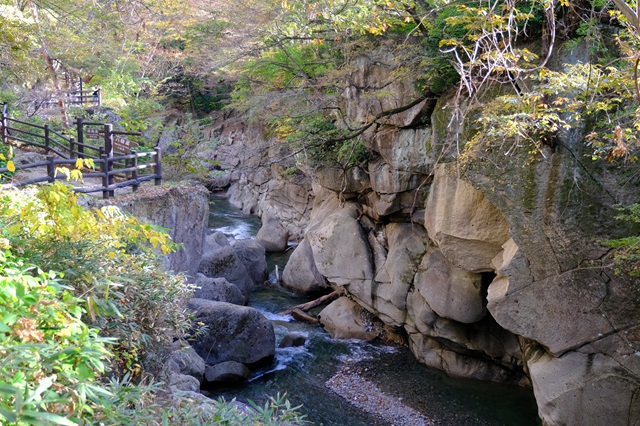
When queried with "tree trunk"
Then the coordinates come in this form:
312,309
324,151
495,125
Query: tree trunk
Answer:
49,62
317,302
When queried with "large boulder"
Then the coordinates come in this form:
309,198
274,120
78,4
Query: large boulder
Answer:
226,372
185,360
340,248
252,256
273,236
301,274
224,262
450,291
466,226
218,289
234,333
345,319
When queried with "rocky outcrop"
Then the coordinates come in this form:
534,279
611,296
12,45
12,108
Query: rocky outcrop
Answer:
260,175
183,209
492,266
464,224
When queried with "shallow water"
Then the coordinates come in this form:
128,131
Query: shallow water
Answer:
301,372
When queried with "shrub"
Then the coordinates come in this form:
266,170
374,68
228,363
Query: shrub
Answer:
50,358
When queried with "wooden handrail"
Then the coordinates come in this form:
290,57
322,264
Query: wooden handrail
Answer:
126,164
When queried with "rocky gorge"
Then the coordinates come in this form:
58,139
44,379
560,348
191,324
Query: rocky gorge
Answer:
489,265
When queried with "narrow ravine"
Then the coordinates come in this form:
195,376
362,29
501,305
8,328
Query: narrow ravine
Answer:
400,382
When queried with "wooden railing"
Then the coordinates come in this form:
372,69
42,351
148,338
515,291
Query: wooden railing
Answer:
130,168
83,98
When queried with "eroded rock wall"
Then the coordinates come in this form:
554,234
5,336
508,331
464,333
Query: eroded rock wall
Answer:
492,269
258,174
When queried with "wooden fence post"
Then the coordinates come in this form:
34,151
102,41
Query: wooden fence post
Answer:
158,179
134,174
108,140
105,175
5,123
51,169
72,147
80,128
108,150
46,138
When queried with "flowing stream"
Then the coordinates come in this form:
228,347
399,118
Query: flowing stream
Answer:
301,372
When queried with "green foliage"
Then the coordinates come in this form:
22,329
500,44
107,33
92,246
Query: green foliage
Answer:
275,412
50,358
58,370
626,251
109,259
285,68
183,156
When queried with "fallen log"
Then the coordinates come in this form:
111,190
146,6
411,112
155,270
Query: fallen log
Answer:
317,302
301,316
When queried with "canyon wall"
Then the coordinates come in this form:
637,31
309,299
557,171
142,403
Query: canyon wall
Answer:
491,268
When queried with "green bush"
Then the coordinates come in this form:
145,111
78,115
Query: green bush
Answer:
79,346
50,358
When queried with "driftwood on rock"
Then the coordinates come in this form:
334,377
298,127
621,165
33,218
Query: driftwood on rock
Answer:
302,316
327,298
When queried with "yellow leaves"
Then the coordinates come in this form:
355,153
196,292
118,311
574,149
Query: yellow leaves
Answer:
74,174
564,3
11,166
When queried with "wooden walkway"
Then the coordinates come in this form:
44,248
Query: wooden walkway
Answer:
116,166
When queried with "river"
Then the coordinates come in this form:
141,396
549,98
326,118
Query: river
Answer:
301,372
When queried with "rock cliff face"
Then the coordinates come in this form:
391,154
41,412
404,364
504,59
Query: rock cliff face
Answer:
492,269
182,209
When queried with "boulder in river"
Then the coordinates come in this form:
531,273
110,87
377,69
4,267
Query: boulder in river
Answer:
218,289
226,372
234,333
224,262
292,339
273,236
252,256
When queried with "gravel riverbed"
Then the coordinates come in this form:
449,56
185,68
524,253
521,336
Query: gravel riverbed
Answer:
416,395
368,397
